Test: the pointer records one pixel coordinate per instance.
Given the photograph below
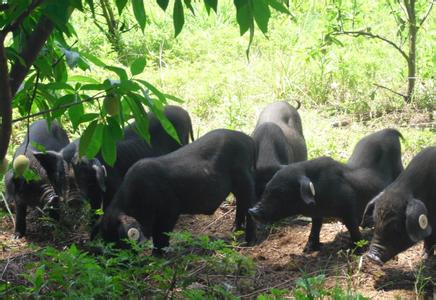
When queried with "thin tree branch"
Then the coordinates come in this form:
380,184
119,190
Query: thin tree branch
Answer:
390,90
30,108
31,48
95,97
427,13
373,36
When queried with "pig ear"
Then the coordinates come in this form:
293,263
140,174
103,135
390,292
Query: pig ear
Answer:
53,164
417,225
368,214
101,174
307,190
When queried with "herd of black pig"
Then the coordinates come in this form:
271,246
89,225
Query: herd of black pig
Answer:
151,185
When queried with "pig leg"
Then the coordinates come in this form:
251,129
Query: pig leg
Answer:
429,242
245,196
161,227
353,228
313,243
20,220
53,210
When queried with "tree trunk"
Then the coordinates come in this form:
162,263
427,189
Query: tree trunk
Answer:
411,62
5,103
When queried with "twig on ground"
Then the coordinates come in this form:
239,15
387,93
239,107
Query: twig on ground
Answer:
216,220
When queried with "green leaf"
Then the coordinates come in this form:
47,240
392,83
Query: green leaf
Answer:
244,15
178,17
163,4
120,72
139,12
120,5
109,148
96,61
174,98
75,113
138,66
96,141
114,128
88,117
211,4
85,140
261,14
189,6
166,124
140,115
154,90
279,6
82,78
77,4
58,13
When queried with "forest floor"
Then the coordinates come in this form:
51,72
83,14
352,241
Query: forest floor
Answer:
279,258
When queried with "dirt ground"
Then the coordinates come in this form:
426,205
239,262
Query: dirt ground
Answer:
279,258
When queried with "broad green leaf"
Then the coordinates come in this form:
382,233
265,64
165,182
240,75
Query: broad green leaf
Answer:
154,90
77,4
108,148
244,15
279,6
94,87
140,116
96,61
75,113
174,98
58,13
138,66
261,14
86,138
166,124
114,128
139,12
128,86
189,6
58,86
211,4
120,72
88,117
163,4
82,78
96,141
178,17
60,72
120,5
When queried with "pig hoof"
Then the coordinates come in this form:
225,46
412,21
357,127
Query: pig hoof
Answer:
312,247
18,235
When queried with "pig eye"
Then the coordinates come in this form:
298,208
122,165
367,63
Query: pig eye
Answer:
133,234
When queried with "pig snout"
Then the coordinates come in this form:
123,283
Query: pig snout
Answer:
376,254
257,214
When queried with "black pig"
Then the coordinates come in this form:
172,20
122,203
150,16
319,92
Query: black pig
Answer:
323,187
195,179
405,212
99,182
56,178
279,141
